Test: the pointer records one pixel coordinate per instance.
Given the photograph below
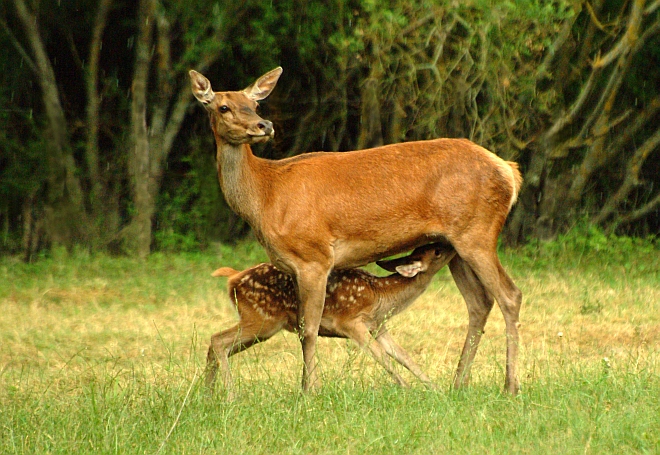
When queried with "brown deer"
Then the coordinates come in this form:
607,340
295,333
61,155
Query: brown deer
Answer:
357,305
337,210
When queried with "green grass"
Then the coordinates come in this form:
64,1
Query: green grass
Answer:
105,355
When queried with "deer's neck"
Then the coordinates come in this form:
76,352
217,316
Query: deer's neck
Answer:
237,173
398,292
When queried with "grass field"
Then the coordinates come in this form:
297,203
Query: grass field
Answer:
104,355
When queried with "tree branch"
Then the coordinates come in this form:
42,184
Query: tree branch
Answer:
628,40
587,46
641,119
594,18
637,214
550,137
652,7
557,44
61,151
419,23
163,94
74,49
93,104
632,177
601,112
19,47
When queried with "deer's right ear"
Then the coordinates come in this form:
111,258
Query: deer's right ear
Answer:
201,87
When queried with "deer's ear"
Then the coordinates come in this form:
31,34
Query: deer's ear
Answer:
262,87
201,87
410,270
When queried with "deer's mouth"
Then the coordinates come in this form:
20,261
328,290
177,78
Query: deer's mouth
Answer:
261,137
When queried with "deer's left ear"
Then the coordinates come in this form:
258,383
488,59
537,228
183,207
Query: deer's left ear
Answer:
262,87
409,270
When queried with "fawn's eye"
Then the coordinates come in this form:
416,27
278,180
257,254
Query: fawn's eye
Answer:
224,108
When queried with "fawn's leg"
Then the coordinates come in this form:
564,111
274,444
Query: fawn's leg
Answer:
401,355
359,333
232,341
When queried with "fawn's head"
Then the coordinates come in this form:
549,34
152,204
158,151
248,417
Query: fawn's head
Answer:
233,115
428,258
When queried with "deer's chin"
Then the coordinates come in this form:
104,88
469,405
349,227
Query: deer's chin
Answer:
261,138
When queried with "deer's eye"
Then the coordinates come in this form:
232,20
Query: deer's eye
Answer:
224,108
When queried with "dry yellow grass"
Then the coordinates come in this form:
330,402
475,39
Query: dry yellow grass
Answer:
66,330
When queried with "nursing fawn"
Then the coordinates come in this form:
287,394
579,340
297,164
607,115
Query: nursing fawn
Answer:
357,306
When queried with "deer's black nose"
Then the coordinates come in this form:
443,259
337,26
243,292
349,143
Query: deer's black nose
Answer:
266,126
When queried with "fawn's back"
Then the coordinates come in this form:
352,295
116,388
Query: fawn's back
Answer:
272,294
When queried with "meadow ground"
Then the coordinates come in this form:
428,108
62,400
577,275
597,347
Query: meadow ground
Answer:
105,355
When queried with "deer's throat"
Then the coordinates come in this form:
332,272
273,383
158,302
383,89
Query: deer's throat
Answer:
237,181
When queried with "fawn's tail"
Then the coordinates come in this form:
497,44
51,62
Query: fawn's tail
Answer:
224,271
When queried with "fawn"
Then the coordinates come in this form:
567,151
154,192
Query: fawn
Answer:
357,305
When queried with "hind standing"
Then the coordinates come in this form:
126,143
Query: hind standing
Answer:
335,210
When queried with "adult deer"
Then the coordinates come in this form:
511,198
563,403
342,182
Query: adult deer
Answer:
335,210
357,306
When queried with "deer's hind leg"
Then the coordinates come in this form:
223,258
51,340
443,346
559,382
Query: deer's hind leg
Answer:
480,277
479,303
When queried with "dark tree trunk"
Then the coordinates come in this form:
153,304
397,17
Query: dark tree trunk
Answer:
65,219
139,230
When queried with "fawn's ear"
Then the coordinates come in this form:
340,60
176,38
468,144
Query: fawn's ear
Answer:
201,87
262,87
409,270
406,266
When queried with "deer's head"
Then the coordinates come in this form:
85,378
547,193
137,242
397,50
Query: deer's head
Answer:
233,115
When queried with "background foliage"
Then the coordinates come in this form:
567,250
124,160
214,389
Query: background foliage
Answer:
102,146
